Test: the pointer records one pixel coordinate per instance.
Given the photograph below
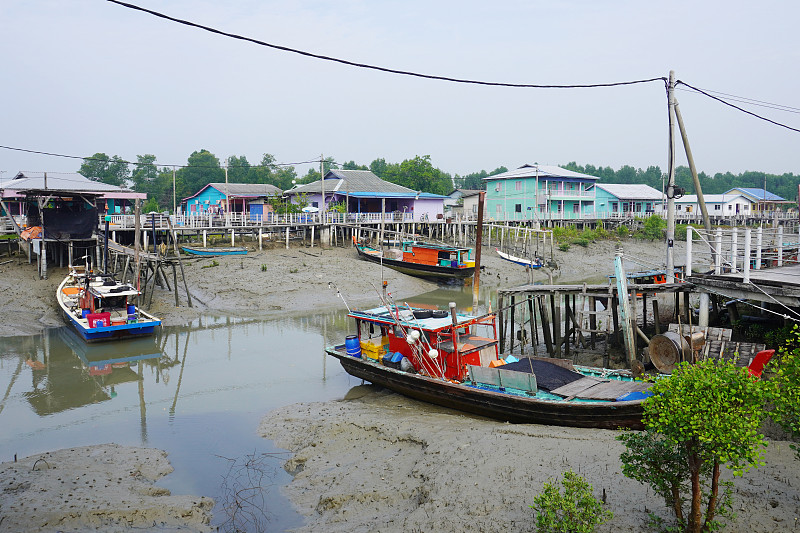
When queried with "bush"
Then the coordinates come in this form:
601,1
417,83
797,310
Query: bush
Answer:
623,231
654,227
582,242
574,511
785,387
564,246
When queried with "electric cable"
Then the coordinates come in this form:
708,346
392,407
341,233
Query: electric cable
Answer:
376,67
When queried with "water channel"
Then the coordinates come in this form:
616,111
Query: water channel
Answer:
197,391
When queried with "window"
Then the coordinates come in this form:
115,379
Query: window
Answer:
499,186
576,207
518,185
518,207
314,204
730,208
498,209
614,207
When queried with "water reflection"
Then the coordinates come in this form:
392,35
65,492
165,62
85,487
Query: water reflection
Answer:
198,391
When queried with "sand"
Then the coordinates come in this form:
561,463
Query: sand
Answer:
378,461
418,467
96,488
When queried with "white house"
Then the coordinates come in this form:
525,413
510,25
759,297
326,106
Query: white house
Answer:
719,206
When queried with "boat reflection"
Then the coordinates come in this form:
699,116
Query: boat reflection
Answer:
69,373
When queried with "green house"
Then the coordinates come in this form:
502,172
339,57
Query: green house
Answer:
540,193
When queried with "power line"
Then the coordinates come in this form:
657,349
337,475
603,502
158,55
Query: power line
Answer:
100,159
750,101
718,99
376,67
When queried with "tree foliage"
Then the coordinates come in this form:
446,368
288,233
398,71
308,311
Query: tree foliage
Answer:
785,386
576,510
705,415
100,167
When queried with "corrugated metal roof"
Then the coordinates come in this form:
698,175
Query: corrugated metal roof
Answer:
710,198
351,181
758,194
58,182
630,191
247,189
542,171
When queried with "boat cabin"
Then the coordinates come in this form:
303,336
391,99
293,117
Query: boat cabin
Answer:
435,342
436,254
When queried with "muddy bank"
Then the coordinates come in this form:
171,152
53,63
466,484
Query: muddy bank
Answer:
277,281
96,488
382,462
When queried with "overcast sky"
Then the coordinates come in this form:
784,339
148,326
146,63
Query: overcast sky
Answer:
86,76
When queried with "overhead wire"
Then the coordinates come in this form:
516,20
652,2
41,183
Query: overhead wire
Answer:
112,160
718,99
376,67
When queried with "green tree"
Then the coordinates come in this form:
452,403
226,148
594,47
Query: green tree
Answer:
711,413
785,386
238,169
203,168
145,173
378,167
576,510
419,174
351,165
99,167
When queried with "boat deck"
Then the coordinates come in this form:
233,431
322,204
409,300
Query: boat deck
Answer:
593,388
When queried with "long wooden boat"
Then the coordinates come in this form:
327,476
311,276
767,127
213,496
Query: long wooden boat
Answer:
530,263
100,308
425,260
452,360
233,250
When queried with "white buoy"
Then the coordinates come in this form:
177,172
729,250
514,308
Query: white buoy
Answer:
433,353
414,334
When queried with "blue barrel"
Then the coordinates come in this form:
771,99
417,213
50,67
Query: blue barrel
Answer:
84,312
353,346
131,309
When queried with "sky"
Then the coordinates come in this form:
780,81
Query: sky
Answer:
89,76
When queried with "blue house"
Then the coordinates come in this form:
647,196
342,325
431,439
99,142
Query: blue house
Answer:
215,198
621,200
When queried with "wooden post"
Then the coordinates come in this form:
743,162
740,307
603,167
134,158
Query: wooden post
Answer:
287,237
545,317
476,281
592,321
532,323
555,301
656,319
513,311
567,331
500,318
180,264
137,264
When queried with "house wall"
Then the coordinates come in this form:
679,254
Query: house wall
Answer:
428,207
550,198
608,205
209,199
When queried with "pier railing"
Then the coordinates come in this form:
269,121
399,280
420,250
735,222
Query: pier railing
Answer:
740,249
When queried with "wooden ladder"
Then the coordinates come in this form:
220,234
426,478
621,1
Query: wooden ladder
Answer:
587,320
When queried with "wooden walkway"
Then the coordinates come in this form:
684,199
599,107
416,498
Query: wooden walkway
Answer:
780,284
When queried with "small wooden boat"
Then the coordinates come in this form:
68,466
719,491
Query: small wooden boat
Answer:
424,260
194,250
530,263
452,360
101,309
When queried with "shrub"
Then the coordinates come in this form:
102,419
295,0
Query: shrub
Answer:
654,227
623,231
582,242
785,387
564,246
574,511
702,417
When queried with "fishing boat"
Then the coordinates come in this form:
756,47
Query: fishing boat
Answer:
232,250
424,260
452,359
101,309
536,262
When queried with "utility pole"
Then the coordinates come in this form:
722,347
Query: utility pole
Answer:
174,209
478,243
698,189
670,183
322,185
227,202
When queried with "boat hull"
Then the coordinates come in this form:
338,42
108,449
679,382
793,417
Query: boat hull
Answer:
208,252
519,261
419,270
113,333
516,409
